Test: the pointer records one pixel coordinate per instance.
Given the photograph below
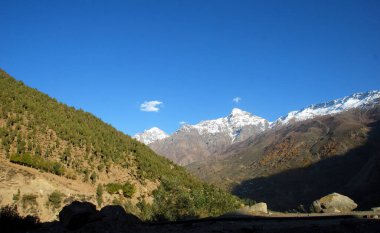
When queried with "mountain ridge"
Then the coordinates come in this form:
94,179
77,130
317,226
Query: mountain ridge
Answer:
238,118
192,143
289,166
356,100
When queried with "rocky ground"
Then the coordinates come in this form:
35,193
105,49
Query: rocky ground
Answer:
231,224
83,217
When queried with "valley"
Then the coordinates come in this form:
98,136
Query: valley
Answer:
240,170
288,163
53,154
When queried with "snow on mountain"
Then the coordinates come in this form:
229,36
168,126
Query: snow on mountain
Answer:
151,135
238,120
230,125
358,100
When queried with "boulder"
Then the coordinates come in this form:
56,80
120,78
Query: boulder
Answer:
258,208
78,214
116,213
334,203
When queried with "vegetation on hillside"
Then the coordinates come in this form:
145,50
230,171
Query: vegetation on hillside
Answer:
38,131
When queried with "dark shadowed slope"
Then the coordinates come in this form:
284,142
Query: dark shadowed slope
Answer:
299,163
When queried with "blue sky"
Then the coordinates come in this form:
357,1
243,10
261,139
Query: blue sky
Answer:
192,57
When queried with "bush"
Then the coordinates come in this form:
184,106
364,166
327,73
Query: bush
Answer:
16,197
146,210
127,188
99,195
55,199
93,177
29,200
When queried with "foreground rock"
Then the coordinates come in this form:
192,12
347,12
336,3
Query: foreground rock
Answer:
116,213
81,217
256,209
334,203
78,214
260,207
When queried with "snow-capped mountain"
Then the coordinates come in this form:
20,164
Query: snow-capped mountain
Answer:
230,125
151,135
193,143
358,100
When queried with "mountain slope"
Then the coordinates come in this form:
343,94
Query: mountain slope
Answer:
151,135
196,142
76,147
192,143
299,162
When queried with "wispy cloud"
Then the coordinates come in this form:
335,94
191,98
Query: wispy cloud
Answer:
236,99
182,122
151,106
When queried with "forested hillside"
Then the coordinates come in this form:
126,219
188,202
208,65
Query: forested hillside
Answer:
39,132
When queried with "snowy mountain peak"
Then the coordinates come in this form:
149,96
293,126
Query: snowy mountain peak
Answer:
151,135
238,111
230,125
357,100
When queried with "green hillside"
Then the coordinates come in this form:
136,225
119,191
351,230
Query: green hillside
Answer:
38,131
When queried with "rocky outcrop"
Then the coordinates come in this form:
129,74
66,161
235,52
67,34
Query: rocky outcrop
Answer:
334,203
78,214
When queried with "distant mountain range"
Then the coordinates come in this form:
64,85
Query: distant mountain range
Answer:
192,143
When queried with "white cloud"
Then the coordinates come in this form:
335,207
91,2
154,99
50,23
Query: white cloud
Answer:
182,122
236,99
151,106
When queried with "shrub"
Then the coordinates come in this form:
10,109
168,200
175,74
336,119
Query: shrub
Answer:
16,197
146,210
29,200
127,188
93,177
99,194
55,199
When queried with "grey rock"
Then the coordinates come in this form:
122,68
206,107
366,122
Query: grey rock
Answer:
334,203
260,207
